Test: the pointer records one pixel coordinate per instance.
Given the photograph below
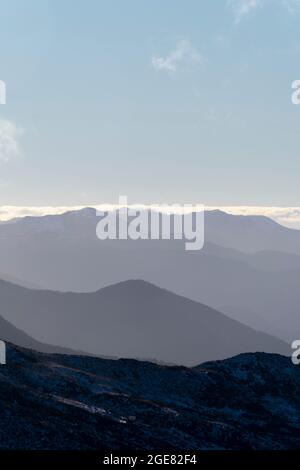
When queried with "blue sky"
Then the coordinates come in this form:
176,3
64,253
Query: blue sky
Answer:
164,101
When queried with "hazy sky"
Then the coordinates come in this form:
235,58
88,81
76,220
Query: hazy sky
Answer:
164,101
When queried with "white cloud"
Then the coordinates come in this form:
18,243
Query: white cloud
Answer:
242,8
9,140
292,6
183,54
12,212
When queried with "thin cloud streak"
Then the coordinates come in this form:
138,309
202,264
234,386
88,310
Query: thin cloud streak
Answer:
242,8
183,54
9,140
292,6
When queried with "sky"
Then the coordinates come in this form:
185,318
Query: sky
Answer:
165,102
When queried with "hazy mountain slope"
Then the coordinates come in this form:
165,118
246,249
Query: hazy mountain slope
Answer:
250,233
132,319
265,300
10,333
18,281
266,260
72,402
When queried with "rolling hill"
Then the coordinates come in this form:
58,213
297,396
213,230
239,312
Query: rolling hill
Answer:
132,319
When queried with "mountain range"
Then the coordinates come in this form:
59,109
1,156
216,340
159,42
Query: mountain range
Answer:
249,268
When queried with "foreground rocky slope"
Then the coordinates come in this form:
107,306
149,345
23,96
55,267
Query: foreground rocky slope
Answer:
70,402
